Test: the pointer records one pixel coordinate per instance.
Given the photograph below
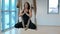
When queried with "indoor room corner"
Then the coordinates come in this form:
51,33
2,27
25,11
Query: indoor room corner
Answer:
46,16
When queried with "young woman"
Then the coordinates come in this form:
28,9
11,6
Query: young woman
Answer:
26,14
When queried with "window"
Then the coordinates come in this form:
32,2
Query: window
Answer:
53,6
9,14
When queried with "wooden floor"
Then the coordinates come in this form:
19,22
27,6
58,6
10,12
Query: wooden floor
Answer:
40,30
43,30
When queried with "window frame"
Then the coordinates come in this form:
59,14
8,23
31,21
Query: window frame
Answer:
48,8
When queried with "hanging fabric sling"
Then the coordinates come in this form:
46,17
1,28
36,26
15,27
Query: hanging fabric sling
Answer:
21,24
29,24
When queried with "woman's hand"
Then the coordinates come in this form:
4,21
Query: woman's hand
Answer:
25,12
30,13
21,13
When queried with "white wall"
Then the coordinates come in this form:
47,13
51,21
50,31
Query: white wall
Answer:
43,18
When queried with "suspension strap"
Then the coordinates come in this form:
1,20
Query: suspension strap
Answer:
23,23
27,24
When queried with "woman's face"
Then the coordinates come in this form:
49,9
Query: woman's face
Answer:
26,5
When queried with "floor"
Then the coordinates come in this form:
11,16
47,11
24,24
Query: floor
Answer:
40,30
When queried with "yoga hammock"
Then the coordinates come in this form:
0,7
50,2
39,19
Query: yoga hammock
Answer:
25,23
27,26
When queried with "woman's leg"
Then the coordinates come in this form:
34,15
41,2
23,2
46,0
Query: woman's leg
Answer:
18,25
32,26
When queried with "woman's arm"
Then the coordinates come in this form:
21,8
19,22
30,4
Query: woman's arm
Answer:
30,13
21,14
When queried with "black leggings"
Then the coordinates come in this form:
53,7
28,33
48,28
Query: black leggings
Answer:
31,25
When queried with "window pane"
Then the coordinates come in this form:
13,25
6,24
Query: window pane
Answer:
6,20
12,4
13,18
6,4
53,6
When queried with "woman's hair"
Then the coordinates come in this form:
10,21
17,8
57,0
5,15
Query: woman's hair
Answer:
27,4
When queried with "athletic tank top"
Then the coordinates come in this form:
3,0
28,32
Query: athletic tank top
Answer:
25,18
